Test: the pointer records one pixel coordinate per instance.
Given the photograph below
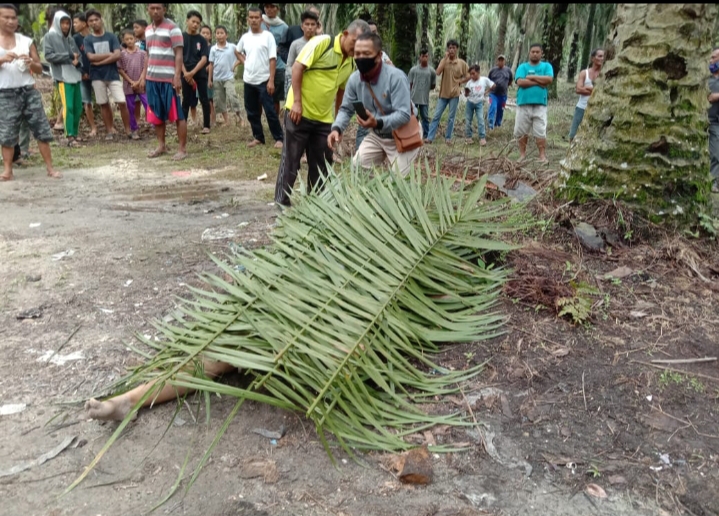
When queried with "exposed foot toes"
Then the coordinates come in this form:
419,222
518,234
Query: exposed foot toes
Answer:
54,174
157,153
179,156
114,409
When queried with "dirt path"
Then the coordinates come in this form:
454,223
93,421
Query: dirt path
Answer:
113,246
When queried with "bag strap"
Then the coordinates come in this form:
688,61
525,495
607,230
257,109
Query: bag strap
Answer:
379,106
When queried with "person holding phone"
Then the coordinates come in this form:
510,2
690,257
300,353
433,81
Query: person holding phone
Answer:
319,76
380,93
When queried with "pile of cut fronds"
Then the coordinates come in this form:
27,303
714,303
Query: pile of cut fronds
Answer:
340,318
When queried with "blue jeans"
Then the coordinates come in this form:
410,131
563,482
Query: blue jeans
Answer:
422,111
438,112
576,121
496,110
469,114
361,133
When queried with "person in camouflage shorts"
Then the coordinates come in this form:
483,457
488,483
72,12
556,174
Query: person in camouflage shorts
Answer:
19,100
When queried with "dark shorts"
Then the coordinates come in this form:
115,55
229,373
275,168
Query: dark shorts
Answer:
163,103
279,95
210,93
16,105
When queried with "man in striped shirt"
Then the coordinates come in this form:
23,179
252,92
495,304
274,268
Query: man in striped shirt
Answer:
164,69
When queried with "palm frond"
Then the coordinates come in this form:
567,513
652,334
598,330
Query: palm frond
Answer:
340,319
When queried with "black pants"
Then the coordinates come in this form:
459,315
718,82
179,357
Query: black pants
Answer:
308,136
255,96
188,93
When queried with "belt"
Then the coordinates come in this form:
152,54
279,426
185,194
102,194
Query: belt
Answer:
19,90
387,136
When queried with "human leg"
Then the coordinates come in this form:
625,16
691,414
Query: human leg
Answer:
423,114
63,102
203,94
86,92
453,103
501,104
371,152
714,154
11,115
187,93
271,115
252,107
491,110
24,138
296,137
360,136
480,124
576,121
34,112
103,100
74,100
539,130
221,97
117,408
319,155
468,115
279,95
438,111
130,101
522,127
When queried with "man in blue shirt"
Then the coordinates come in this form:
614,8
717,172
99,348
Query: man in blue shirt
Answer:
532,79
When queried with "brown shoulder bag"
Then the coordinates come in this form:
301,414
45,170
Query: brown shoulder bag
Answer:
408,137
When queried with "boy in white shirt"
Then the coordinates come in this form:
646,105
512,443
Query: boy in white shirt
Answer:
475,91
257,51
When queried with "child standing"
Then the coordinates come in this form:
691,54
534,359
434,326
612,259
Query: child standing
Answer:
475,90
132,69
206,32
221,72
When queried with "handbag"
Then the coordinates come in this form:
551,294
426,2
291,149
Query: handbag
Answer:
408,137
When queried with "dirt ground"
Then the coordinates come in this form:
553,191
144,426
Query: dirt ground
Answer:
93,258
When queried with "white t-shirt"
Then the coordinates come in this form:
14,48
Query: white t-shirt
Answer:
258,49
10,75
477,89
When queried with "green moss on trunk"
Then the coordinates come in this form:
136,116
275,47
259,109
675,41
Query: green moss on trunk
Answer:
643,139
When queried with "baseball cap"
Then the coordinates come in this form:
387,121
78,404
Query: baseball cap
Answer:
501,56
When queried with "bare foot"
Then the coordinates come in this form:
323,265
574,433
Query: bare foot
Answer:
205,130
278,145
58,127
179,156
483,142
7,177
254,143
93,134
114,409
51,172
157,152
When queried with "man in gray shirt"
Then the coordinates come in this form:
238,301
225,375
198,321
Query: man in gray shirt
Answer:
502,78
391,92
422,80
714,119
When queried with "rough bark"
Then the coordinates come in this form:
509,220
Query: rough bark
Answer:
529,10
438,33
502,29
424,26
572,61
643,139
587,41
554,29
464,31
405,36
383,17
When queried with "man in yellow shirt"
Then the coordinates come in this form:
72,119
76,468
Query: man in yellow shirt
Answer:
319,76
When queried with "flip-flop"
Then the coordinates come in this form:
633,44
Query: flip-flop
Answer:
156,153
179,156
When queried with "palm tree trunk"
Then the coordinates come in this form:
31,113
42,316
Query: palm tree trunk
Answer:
555,24
643,139
207,14
240,19
529,10
587,42
405,36
424,26
438,33
572,63
464,31
383,17
502,29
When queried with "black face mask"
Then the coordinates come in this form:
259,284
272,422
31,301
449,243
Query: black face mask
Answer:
365,64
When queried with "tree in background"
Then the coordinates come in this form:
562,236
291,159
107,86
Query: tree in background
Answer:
573,55
404,36
588,33
555,23
438,51
643,139
463,29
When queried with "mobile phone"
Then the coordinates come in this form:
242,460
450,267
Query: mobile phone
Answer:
360,110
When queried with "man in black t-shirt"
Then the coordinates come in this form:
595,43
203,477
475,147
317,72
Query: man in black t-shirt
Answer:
194,71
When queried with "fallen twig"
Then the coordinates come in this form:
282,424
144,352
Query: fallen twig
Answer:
584,395
675,370
40,460
684,360
64,343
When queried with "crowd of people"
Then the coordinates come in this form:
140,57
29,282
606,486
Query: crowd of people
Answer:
309,86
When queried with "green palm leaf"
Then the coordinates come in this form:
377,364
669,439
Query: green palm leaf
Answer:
341,317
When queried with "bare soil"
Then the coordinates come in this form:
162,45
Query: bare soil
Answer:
560,406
